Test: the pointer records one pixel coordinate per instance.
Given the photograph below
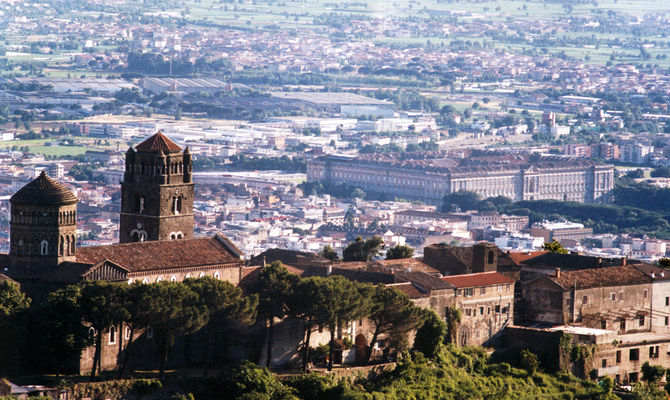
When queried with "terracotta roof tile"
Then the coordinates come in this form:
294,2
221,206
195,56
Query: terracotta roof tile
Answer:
569,261
521,256
410,290
478,279
158,142
413,264
601,277
423,280
156,255
654,271
288,257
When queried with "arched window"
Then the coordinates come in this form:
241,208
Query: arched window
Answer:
61,246
201,275
127,333
491,256
91,333
145,280
217,275
44,248
173,236
130,281
176,205
112,335
159,279
173,278
73,240
187,276
180,235
140,205
138,236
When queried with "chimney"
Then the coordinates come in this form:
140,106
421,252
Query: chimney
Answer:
558,273
329,270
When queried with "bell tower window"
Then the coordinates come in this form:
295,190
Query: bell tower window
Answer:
44,248
138,236
176,205
140,205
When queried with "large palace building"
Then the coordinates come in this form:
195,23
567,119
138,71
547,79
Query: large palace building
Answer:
428,177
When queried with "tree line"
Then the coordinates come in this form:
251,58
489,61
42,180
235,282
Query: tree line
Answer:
50,336
603,218
244,163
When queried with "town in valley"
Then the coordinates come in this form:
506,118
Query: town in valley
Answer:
320,199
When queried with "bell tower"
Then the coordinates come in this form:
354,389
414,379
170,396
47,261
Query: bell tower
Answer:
157,192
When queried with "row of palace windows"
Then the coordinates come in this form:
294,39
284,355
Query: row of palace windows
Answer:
173,278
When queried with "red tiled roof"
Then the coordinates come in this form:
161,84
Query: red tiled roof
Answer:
478,279
521,256
294,270
409,289
156,255
601,277
413,264
158,142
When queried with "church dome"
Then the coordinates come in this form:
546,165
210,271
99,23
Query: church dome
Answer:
43,191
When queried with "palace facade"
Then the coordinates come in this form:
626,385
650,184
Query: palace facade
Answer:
518,177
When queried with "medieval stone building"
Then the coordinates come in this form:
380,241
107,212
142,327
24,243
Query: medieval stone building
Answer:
156,234
157,192
156,207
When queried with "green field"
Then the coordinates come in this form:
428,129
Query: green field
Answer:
297,16
50,146
59,150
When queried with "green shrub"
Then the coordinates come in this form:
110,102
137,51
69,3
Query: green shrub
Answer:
143,387
181,396
529,361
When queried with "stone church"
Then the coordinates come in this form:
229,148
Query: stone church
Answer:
156,229
156,233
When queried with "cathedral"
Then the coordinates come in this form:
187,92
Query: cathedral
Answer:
155,231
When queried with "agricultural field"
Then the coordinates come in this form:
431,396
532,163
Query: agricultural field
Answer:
57,148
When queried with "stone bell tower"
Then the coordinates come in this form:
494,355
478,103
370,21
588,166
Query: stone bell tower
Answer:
157,192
